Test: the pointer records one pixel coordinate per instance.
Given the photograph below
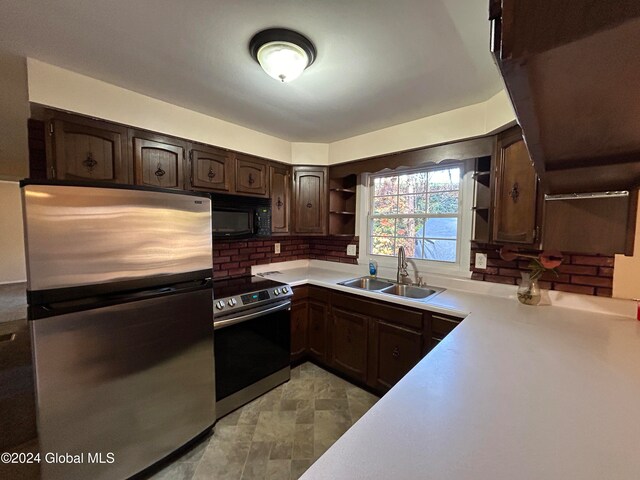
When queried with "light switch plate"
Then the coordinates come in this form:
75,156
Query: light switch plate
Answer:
481,261
276,248
351,250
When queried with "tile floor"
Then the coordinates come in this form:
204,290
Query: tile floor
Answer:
279,435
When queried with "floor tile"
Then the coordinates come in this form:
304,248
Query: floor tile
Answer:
279,435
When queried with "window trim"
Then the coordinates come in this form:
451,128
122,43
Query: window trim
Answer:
387,265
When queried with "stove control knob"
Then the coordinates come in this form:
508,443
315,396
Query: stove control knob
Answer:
231,302
220,305
276,292
285,290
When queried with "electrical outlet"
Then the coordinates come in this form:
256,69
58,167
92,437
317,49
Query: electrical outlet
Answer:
276,248
351,250
481,261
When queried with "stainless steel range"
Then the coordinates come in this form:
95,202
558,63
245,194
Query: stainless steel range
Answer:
252,341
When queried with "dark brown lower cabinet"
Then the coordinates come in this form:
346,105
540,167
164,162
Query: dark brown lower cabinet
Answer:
318,319
299,316
396,350
372,343
349,332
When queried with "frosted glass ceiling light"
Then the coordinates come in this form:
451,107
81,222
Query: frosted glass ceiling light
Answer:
283,54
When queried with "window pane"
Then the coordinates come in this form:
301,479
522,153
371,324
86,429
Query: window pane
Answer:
413,183
410,227
383,227
441,250
445,202
385,186
448,179
410,246
441,228
382,205
408,204
382,245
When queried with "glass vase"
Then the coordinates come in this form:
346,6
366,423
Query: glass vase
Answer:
529,290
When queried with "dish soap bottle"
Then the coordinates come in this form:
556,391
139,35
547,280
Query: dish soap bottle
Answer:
373,269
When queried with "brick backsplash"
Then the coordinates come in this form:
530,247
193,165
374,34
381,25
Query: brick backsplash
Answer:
236,257
586,274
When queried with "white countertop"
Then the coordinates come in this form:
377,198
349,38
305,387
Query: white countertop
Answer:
513,393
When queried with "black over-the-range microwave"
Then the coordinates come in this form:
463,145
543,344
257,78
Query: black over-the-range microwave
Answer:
234,216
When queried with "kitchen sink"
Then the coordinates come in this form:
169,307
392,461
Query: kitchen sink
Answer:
392,288
367,283
411,291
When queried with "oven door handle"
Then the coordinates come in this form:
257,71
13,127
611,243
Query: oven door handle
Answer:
243,318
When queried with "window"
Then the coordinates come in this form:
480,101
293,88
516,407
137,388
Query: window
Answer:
419,210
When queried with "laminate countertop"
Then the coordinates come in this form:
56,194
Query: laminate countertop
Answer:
514,392
13,302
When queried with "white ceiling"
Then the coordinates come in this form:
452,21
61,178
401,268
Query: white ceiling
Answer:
380,62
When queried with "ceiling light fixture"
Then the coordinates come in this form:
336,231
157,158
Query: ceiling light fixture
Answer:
282,53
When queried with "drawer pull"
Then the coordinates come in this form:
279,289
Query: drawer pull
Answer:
8,337
396,352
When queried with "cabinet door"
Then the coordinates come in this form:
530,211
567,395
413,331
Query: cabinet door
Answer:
299,320
397,350
318,321
349,343
251,175
158,163
280,188
211,168
89,150
515,219
310,200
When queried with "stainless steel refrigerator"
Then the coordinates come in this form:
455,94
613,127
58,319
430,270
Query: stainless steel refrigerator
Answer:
121,319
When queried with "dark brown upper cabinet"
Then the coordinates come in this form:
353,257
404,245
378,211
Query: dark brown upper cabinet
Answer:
310,200
211,168
280,188
157,160
516,209
251,175
571,68
86,149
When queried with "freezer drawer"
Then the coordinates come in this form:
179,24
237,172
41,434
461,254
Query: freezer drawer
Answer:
134,379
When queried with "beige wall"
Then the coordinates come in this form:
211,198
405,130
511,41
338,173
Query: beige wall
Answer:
12,263
470,121
14,112
309,153
56,87
626,273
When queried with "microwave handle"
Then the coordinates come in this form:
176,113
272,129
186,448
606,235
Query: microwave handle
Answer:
256,222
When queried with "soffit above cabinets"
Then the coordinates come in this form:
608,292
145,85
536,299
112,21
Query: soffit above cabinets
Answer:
379,63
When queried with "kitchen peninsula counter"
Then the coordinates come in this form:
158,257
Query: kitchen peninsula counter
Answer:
514,392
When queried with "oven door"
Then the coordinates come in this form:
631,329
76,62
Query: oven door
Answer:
251,347
233,222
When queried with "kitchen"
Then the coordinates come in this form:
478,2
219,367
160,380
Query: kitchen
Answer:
439,270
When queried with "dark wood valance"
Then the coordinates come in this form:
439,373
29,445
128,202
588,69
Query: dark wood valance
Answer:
464,150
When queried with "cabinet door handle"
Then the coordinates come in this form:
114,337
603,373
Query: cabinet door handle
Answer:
279,203
396,352
514,193
251,180
309,205
159,172
211,174
89,162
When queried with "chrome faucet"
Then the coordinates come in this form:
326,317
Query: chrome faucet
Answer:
403,275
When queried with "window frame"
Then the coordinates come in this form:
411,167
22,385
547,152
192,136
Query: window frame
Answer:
422,263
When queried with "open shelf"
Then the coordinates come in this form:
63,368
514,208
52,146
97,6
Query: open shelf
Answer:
342,205
483,178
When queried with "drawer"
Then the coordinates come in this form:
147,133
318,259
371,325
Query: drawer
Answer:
443,324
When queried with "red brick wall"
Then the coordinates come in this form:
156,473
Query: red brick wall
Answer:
586,274
235,258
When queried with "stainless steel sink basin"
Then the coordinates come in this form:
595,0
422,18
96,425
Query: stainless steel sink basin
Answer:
411,291
392,288
367,283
